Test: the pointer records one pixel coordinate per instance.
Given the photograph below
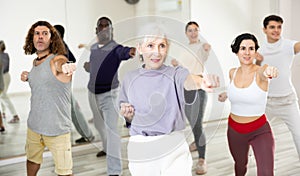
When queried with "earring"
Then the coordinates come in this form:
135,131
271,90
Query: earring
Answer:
141,58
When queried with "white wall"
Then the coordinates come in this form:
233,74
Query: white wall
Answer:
78,16
220,22
293,27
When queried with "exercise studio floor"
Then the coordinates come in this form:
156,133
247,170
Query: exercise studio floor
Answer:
220,163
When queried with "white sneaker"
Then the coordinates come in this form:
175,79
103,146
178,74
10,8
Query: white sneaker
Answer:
201,167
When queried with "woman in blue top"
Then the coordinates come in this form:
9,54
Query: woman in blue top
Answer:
152,98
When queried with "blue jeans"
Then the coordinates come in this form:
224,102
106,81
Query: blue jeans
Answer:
194,110
105,113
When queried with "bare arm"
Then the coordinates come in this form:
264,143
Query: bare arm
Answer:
62,69
297,48
259,59
207,82
223,96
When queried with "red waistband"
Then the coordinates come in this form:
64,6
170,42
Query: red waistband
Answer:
247,127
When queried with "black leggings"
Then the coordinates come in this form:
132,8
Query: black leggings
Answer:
194,109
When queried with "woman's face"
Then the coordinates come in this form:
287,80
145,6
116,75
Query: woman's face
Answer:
247,52
154,51
192,33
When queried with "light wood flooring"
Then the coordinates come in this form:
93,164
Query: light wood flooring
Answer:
219,160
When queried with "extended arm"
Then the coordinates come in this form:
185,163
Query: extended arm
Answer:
206,82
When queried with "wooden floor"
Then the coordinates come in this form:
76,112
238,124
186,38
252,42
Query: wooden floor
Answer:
12,159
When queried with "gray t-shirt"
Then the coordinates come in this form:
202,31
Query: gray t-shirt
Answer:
153,95
50,112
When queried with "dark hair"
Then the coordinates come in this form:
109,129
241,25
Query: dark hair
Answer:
60,29
104,18
272,18
2,46
56,46
190,23
235,46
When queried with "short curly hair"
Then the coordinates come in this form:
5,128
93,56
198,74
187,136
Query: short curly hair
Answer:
56,46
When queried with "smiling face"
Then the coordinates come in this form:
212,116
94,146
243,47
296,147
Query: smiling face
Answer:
192,33
273,31
247,52
154,51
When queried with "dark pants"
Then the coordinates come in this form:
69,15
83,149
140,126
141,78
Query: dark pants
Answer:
262,142
194,109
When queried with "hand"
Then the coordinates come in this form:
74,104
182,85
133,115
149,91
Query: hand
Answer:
174,62
81,45
270,72
86,66
24,76
259,57
127,111
222,97
206,47
132,52
209,82
68,68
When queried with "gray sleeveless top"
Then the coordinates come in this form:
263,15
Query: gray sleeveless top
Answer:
50,112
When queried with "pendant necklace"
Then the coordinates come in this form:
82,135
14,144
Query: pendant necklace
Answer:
41,58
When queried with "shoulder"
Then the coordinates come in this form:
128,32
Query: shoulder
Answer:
180,72
130,76
59,59
231,72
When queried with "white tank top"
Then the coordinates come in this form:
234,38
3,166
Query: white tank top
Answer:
249,101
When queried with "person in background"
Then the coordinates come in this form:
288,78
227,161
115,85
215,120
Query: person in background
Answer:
152,100
196,100
5,101
105,59
247,122
78,118
50,79
282,98
2,128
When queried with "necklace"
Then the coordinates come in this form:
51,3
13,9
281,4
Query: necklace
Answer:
41,58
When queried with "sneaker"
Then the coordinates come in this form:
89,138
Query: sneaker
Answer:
2,129
81,140
91,138
193,147
91,120
201,167
15,119
101,153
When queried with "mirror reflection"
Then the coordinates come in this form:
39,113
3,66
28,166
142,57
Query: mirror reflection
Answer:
216,29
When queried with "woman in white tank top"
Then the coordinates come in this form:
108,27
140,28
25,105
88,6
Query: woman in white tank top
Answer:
247,124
